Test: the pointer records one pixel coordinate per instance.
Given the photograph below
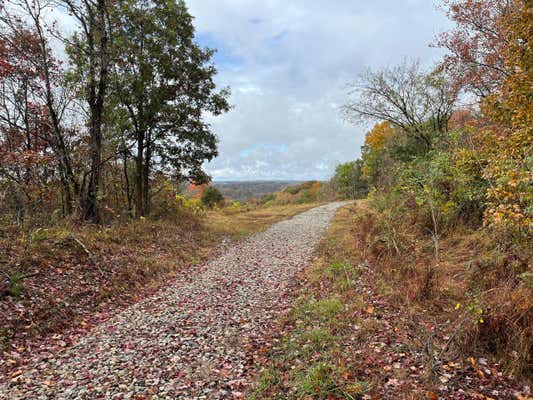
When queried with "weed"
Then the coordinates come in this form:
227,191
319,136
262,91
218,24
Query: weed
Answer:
268,379
317,340
319,381
327,309
343,274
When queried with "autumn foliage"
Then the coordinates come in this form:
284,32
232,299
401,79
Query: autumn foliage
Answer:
378,136
460,202
508,141
94,136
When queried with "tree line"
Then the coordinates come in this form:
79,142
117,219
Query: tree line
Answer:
93,121
448,164
454,142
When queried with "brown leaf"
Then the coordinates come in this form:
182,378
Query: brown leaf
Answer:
432,395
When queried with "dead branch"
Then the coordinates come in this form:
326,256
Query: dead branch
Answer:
91,256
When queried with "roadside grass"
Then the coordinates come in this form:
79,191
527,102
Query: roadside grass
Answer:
243,221
307,359
361,326
59,281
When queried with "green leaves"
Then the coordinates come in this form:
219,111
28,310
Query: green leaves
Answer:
349,180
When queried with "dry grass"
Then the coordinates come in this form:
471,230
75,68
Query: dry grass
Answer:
60,281
244,221
373,319
473,291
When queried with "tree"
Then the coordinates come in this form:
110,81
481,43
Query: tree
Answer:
163,83
89,51
349,180
375,156
31,88
377,138
418,102
476,58
507,143
211,196
23,120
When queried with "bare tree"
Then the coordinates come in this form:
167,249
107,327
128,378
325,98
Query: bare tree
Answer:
407,97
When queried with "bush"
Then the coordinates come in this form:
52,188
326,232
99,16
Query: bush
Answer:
211,197
349,180
442,188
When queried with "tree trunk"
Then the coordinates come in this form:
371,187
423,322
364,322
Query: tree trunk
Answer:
97,86
139,163
127,182
90,212
146,175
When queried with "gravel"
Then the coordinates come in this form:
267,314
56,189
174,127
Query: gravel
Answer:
192,339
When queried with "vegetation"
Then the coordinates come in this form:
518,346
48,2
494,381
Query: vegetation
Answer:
250,190
443,241
104,133
426,279
211,197
302,193
349,182
366,322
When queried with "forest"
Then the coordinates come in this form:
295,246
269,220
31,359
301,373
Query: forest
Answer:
99,129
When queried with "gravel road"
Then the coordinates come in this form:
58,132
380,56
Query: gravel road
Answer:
192,339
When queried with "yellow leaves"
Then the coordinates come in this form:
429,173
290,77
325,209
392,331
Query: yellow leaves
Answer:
378,136
509,161
507,142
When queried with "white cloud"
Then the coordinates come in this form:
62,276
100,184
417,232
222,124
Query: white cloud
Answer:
287,63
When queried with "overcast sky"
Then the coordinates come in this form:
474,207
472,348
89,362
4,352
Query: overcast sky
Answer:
287,63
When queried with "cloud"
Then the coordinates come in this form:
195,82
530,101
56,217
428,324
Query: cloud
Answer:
288,62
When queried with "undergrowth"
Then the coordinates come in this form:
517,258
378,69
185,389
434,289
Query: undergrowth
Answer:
380,317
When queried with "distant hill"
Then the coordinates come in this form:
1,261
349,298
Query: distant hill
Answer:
247,190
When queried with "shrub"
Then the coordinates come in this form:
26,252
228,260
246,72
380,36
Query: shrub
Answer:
211,197
443,190
349,180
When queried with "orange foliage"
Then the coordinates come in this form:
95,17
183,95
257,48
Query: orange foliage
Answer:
460,119
378,136
508,143
196,191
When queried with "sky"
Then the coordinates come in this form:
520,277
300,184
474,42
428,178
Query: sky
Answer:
288,62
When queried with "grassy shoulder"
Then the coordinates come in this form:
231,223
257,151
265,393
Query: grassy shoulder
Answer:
240,222
372,323
59,281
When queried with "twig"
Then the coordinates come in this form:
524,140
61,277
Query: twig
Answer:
89,254
347,277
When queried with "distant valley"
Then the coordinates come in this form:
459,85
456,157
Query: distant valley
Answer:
245,190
